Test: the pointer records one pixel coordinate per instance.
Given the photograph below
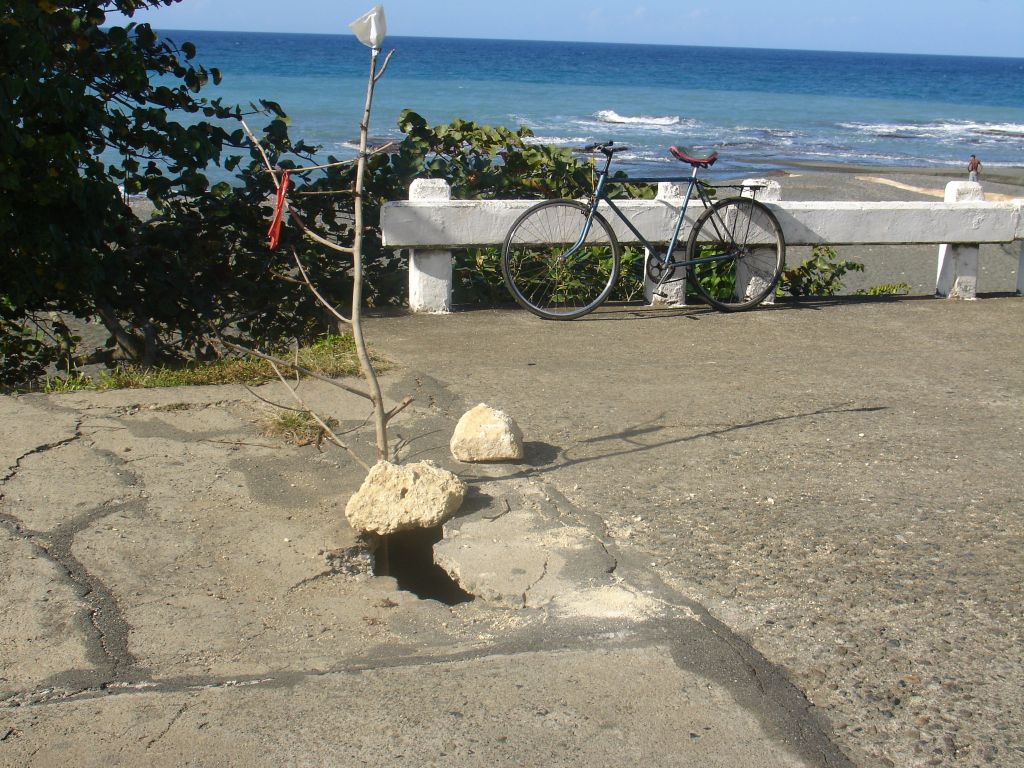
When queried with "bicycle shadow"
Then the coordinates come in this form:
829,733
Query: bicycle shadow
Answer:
634,311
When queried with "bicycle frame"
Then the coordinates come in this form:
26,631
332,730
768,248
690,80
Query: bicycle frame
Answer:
601,194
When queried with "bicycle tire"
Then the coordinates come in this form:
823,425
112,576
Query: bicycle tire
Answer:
745,251
541,271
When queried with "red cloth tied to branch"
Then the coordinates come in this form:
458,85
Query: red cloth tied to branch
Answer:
274,233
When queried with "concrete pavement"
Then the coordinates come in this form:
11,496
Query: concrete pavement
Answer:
787,537
179,589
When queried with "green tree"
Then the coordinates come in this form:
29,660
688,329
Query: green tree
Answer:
88,110
85,109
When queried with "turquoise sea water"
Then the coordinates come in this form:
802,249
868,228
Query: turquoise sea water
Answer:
761,109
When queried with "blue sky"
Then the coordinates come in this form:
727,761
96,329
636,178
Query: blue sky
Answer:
964,27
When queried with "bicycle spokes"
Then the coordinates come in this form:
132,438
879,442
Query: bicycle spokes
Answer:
738,250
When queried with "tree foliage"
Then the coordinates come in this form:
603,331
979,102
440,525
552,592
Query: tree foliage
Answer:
90,113
85,109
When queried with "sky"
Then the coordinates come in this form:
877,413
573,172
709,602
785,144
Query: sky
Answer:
953,27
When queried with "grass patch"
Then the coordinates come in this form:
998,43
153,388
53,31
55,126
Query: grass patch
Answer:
330,355
76,382
885,289
296,427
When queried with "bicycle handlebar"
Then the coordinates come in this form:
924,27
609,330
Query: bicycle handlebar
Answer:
605,147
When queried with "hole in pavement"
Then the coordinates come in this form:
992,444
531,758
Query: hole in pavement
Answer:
410,561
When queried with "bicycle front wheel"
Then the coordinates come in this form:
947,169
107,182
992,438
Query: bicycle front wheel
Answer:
739,251
551,268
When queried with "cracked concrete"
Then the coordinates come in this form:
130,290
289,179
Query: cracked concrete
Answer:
834,484
177,588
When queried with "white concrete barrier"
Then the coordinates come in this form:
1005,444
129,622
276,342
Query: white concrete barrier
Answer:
958,263
431,224
430,269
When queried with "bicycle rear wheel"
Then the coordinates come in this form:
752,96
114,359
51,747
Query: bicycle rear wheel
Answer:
740,251
546,274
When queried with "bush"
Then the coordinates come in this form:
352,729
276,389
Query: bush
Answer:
820,275
90,110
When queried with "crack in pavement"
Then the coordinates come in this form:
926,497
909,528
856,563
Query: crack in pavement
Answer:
16,467
110,627
543,575
51,696
107,642
690,645
167,728
107,637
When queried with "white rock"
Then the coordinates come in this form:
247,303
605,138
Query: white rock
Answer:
487,434
403,497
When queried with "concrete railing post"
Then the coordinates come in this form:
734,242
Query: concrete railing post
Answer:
673,291
430,271
957,276
770,192
1020,271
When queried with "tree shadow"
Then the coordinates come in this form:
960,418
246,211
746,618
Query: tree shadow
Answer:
635,446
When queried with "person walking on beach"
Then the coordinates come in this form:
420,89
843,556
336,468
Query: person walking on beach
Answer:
973,168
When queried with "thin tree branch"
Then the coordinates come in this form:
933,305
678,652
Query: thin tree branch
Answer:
271,402
304,371
377,151
318,420
323,193
384,66
259,148
398,408
326,304
312,235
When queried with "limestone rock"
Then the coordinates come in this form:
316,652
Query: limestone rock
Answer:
404,497
487,434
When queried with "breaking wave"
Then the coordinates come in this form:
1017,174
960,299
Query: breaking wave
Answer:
610,116
941,130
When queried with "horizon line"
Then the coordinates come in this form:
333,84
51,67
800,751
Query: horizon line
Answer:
595,42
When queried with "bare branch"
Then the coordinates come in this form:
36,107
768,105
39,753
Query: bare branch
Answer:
312,235
317,419
271,402
259,147
324,193
309,284
339,163
304,371
387,60
398,408
306,168
240,442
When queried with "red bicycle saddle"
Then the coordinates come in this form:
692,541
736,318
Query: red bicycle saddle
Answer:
683,154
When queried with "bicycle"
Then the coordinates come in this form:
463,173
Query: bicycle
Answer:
560,259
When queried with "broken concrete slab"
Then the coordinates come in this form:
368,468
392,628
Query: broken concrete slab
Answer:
521,551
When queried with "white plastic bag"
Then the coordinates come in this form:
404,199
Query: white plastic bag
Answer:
370,28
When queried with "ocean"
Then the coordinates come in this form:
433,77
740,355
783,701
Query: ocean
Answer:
762,109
